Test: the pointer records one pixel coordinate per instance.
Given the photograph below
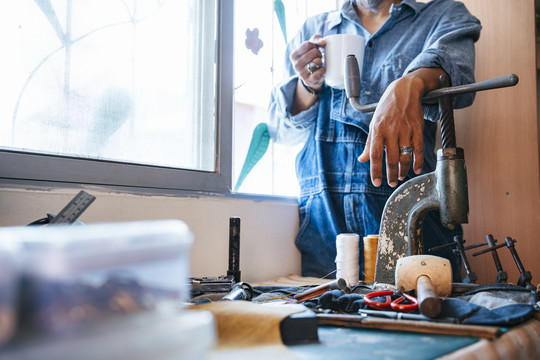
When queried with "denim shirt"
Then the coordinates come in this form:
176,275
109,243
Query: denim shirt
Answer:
337,195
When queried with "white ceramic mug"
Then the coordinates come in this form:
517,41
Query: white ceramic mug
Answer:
336,50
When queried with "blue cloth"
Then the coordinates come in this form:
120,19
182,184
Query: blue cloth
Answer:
468,313
336,194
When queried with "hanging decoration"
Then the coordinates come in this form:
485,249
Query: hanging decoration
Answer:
253,42
259,144
279,9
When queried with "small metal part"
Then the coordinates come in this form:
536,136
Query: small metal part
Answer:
205,285
502,276
240,291
525,276
234,248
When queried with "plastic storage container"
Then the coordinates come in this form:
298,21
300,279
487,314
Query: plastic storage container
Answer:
75,275
8,291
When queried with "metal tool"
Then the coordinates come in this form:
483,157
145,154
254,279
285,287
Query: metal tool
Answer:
211,285
234,248
404,316
444,190
502,276
71,212
471,277
352,86
223,283
240,291
525,277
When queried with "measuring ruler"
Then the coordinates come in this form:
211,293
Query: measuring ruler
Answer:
73,209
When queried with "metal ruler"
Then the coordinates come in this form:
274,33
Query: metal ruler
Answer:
73,209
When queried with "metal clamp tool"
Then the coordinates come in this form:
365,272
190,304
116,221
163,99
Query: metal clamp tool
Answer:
444,190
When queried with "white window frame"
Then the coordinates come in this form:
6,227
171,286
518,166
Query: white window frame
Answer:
37,169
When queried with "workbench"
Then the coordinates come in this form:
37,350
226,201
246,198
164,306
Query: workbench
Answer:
519,342
522,342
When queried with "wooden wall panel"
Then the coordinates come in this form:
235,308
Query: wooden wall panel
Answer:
500,136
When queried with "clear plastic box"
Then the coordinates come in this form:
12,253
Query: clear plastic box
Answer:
8,291
74,275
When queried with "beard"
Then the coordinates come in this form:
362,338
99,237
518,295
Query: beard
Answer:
370,4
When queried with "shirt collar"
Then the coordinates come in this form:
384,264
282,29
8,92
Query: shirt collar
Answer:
347,11
416,7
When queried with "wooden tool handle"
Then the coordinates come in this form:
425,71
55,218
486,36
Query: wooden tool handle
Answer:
429,302
427,327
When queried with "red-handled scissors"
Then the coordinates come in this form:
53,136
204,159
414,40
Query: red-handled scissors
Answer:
394,305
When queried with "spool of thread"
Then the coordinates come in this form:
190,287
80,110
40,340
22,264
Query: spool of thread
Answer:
370,256
347,249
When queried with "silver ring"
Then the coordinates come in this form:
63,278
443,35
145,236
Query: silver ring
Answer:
405,150
312,67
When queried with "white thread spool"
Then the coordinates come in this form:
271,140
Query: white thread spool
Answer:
347,249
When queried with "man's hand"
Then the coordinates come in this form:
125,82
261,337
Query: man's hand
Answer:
399,121
307,52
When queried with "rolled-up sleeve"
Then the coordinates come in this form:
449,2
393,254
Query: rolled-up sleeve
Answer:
451,48
283,127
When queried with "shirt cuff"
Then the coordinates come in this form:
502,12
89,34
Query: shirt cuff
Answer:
431,59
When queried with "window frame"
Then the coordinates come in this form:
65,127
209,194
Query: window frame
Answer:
40,169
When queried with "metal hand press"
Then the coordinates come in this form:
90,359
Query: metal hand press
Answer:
444,190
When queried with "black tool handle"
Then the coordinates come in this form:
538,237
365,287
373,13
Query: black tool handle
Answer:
234,248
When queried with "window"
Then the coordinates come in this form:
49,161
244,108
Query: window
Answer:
141,93
262,29
116,92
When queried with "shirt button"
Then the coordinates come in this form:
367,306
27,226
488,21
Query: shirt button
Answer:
370,44
367,92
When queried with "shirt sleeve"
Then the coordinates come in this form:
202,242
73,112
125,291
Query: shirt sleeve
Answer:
282,125
451,48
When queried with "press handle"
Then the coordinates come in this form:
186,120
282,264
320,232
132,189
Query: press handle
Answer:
352,86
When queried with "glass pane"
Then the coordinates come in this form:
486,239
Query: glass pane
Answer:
130,81
259,58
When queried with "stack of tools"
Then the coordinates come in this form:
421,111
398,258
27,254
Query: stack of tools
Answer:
425,299
502,277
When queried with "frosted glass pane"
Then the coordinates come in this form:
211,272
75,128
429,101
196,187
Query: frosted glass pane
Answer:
128,81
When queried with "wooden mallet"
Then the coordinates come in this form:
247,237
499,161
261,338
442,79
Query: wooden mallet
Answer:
430,276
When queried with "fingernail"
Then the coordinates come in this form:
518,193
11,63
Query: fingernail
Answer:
376,182
392,183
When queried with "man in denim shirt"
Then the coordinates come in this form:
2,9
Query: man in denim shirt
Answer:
350,163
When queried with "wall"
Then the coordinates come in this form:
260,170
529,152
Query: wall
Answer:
500,136
266,237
